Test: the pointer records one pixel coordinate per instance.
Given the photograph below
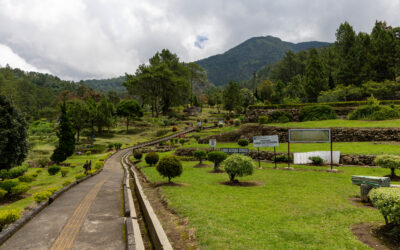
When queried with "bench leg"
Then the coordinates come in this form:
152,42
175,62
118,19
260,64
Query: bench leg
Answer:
364,192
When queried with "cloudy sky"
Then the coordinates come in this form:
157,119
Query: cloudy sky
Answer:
81,39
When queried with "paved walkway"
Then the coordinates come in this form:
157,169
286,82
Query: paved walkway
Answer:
88,216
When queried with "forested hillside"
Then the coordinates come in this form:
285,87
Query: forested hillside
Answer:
104,85
240,62
353,68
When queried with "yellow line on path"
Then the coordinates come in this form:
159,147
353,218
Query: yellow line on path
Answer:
70,231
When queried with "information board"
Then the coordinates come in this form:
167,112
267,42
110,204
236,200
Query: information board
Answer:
229,151
198,123
309,135
213,143
221,122
266,141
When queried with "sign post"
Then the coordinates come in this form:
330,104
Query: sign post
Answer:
213,143
265,141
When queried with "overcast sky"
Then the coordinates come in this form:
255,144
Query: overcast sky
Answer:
81,39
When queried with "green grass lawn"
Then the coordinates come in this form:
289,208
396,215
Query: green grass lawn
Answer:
365,148
292,210
340,123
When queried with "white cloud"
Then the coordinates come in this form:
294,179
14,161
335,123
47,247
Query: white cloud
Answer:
8,57
77,39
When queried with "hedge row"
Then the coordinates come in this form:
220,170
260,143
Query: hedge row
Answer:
387,200
333,104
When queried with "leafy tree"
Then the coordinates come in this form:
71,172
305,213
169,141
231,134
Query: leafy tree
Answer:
200,155
217,157
231,96
92,114
105,114
13,135
238,165
113,97
265,90
66,137
129,109
246,96
78,112
197,76
151,158
170,166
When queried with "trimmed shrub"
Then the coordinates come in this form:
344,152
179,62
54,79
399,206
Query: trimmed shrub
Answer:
39,171
279,116
110,145
53,170
8,216
174,129
2,193
238,165
13,172
64,172
34,175
79,176
151,158
117,145
88,152
283,158
387,200
52,190
243,142
196,137
42,196
43,162
182,141
26,178
19,189
217,157
388,161
8,185
374,113
169,166
263,119
66,183
236,123
91,171
137,155
220,125
72,166
200,155
316,160
317,113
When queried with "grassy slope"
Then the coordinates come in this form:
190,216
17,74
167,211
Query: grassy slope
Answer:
293,210
366,148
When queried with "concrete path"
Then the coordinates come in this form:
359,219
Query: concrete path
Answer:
88,216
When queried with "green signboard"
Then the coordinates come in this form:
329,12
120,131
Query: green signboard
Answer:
309,135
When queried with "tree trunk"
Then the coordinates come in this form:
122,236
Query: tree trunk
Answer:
232,178
215,167
169,179
77,134
393,174
127,124
201,160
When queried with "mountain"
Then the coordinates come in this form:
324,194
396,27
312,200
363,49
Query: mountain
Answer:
104,85
240,62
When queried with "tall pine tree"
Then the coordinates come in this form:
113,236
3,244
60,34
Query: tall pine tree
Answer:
66,137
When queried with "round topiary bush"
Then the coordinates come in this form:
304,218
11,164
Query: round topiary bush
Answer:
41,196
151,158
137,155
182,141
64,172
8,216
217,157
19,189
388,161
262,119
279,116
170,167
238,165
53,170
200,155
243,142
387,200
317,113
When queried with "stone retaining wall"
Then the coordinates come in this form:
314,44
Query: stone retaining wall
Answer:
338,134
363,160
253,114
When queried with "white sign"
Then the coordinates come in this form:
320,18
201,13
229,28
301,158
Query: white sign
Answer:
213,143
265,141
220,122
304,158
198,123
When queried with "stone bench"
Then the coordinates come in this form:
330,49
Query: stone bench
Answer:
366,183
